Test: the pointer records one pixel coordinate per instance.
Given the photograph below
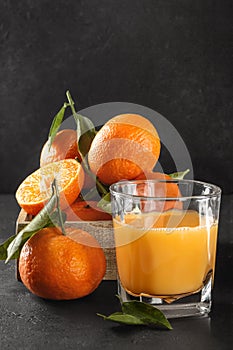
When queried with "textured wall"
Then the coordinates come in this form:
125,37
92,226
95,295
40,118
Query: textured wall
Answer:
172,56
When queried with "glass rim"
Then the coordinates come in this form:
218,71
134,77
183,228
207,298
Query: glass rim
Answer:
216,190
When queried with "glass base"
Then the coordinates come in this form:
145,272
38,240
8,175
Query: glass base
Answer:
198,304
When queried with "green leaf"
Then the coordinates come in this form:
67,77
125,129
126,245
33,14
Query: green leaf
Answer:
52,221
85,129
105,203
85,133
55,220
49,216
146,313
180,175
91,194
139,313
41,220
103,190
56,124
59,213
120,317
3,248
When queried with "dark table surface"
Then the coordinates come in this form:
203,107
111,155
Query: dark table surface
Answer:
29,322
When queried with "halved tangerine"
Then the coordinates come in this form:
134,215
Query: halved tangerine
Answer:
36,189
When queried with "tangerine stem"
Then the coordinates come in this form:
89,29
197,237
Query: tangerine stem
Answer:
71,103
76,116
55,188
99,184
90,194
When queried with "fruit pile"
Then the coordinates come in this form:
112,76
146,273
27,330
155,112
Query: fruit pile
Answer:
126,147
76,168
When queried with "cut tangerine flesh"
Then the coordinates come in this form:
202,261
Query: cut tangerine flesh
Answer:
36,189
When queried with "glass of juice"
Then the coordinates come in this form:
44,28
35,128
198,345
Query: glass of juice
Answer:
165,235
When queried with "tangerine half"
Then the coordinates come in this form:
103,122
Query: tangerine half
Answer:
35,190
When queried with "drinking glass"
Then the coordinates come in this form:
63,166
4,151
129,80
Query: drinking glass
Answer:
165,235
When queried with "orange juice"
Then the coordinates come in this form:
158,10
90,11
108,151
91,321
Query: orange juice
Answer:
164,254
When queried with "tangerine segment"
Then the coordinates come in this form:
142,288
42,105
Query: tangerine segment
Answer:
58,267
64,146
86,211
35,190
122,150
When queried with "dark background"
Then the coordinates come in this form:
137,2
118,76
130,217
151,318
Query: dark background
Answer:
172,56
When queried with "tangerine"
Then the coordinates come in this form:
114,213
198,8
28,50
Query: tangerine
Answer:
125,146
164,188
86,211
35,190
89,182
64,146
62,267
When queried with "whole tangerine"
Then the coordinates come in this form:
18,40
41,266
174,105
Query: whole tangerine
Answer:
64,146
86,211
126,146
62,267
164,188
